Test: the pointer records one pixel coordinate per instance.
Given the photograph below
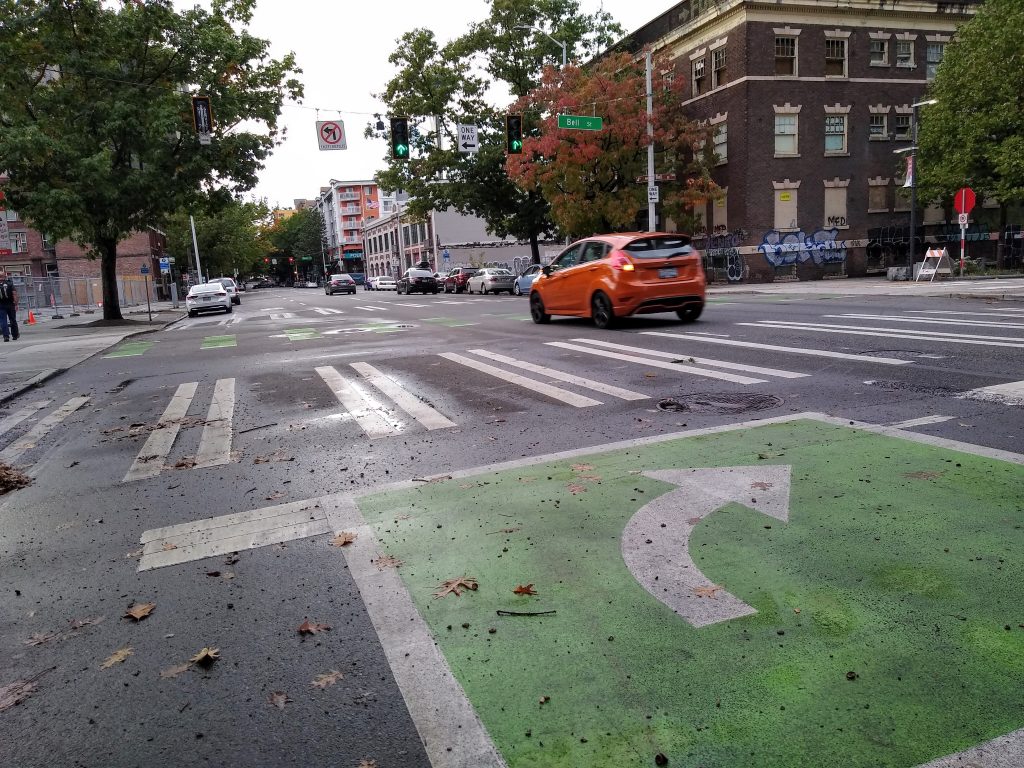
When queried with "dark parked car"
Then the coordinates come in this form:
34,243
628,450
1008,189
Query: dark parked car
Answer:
340,284
417,281
455,282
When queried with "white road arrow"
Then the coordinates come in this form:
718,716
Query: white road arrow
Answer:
659,557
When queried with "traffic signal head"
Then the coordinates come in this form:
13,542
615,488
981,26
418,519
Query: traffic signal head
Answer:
400,138
514,134
291,259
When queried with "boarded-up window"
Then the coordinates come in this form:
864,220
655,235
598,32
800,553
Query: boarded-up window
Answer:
786,209
835,207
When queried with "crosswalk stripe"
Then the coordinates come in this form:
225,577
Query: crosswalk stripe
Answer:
920,422
556,393
328,311
858,330
31,438
16,418
1011,393
367,308
777,348
412,405
551,373
698,360
653,363
369,413
282,315
215,443
151,458
930,320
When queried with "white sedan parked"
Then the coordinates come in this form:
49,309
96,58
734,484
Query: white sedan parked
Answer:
208,297
385,283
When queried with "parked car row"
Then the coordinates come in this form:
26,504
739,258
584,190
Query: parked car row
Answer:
218,295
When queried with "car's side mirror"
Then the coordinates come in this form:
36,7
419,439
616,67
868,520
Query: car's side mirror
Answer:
546,269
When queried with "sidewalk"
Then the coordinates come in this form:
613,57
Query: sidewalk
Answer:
999,289
51,345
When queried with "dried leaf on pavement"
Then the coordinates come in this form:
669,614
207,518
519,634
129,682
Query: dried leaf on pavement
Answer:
525,589
11,479
452,586
582,467
275,495
311,628
206,657
86,622
117,657
168,546
231,559
922,475
19,690
135,554
39,638
167,674
761,486
327,680
707,591
139,611
388,561
343,538
575,488
279,699
367,764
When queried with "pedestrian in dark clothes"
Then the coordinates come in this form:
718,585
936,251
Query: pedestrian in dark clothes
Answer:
8,308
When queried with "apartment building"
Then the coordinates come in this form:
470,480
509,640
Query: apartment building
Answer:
808,100
346,206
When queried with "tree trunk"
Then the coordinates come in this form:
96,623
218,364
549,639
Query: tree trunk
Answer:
1001,241
108,271
534,249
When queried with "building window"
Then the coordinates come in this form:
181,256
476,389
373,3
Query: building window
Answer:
785,55
878,198
786,134
786,208
835,57
933,57
722,144
835,134
879,53
718,76
368,191
902,127
720,212
904,53
699,77
835,206
876,128
668,79
19,242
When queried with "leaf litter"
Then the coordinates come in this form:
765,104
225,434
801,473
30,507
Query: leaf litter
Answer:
452,586
327,680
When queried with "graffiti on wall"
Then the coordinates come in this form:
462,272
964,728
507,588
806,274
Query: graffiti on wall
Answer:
722,256
783,249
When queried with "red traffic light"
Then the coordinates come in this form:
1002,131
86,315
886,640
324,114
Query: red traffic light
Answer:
266,260
291,259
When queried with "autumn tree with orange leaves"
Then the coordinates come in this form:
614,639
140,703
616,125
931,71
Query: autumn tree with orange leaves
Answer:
590,177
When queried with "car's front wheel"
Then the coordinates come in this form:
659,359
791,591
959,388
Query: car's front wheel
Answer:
230,309
516,290
601,311
690,312
537,310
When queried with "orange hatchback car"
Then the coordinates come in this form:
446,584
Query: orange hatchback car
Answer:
606,277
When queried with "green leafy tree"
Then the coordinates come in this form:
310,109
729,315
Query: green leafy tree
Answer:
231,238
96,130
589,177
300,235
974,135
437,88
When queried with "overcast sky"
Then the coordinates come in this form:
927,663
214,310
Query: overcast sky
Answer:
342,46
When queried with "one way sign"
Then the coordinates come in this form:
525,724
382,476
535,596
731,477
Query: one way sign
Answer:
467,139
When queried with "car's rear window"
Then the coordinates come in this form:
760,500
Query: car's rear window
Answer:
664,247
206,288
420,273
498,272
470,272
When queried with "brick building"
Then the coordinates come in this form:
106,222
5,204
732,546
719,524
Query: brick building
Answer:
808,100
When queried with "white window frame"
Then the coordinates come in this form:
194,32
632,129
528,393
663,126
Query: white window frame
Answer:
833,39
720,141
719,74
795,133
906,40
837,120
930,65
877,121
883,45
699,74
896,126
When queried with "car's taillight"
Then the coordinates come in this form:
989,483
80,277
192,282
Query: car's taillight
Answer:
221,293
621,263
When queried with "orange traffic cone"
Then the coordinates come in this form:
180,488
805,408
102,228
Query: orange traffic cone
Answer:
31,318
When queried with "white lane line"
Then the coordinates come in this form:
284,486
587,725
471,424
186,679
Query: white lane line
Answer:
372,309
271,309
409,403
930,320
16,418
551,373
699,360
557,393
854,330
777,348
215,443
282,315
1010,313
1011,393
225,521
369,413
920,422
652,363
150,461
31,438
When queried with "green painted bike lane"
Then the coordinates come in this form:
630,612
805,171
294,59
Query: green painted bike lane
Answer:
889,610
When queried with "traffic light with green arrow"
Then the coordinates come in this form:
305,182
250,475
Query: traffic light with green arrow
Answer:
514,134
400,138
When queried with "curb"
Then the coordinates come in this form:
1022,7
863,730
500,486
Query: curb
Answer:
33,382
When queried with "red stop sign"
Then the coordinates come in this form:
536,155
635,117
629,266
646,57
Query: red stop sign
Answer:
963,201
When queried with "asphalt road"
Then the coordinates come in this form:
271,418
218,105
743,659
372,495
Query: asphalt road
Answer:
310,395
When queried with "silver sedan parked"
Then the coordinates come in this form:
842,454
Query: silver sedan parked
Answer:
491,280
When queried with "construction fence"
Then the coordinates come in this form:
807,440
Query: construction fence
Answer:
70,296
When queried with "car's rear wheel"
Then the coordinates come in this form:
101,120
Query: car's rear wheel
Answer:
537,309
690,312
230,309
483,289
601,311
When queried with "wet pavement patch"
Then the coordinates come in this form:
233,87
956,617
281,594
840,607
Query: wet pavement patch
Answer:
719,402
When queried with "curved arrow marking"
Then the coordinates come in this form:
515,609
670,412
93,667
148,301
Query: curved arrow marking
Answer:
664,566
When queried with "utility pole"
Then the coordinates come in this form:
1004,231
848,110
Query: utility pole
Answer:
195,250
651,205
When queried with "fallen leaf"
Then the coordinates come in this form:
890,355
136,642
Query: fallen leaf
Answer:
464,486
452,586
761,486
707,591
79,623
213,573
169,545
231,559
117,657
796,610
367,764
307,628
388,561
505,530
40,637
206,657
327,680
581,467
18,691
139,611
694,520
135,554
185,464
650,375
275,495
342,538
167,674
575,488
279,699
525,590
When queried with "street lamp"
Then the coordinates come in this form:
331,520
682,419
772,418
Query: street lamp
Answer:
912,149
549,37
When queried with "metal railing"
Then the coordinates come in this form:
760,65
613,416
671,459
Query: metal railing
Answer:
70,296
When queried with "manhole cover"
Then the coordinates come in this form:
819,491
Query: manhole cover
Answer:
902,386
720,402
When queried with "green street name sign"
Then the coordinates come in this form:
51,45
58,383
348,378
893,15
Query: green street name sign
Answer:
580,122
